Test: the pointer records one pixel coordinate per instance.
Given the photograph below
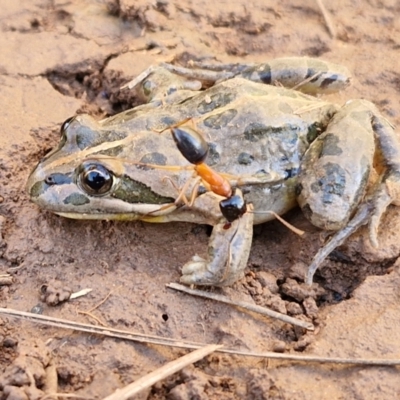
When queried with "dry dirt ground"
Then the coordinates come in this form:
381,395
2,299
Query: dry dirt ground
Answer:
63,57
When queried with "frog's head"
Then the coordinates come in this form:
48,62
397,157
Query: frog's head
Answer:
87,177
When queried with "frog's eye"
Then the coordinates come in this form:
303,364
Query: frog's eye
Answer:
148,87
95,179
65,124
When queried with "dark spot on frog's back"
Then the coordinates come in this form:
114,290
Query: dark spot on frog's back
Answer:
245,158
332,183
330,146
76,199
215,101
213,156
168,121
256,131
220,120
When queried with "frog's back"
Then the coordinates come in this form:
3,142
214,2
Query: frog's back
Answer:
252,127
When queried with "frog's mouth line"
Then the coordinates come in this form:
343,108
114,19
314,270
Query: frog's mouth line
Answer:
111,216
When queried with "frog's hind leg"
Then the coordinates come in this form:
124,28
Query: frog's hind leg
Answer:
385,191
306,74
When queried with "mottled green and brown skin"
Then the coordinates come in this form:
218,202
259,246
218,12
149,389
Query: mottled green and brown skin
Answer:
277,146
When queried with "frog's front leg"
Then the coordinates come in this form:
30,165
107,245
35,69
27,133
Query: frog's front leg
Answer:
227,255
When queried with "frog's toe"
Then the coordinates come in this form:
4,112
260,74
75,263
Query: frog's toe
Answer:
196,272
196,264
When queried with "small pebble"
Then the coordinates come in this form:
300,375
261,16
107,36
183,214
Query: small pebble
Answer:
294,308
268,280
278,346
10,342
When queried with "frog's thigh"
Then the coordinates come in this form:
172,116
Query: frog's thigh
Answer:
336,168
228,252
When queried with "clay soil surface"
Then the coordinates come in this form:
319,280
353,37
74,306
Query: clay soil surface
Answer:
59,58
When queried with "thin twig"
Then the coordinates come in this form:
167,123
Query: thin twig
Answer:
288,225
161,373
151,339
243,304
51,382
101,302
327,19
90,314
81,293
66,396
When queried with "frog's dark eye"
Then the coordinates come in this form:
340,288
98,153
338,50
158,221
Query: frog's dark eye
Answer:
148,87
95,179
65,124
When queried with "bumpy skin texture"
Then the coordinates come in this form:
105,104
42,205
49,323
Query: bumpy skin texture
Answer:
259,138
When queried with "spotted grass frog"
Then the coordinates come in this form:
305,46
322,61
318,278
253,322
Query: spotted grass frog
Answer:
277,146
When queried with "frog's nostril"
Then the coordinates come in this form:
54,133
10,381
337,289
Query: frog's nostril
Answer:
49,180
58,179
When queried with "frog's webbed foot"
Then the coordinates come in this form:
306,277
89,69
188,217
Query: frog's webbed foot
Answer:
371,210
362,217
228,252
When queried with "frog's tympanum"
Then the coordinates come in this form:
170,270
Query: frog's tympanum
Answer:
277,146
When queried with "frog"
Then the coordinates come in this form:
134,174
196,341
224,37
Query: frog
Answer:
268,133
